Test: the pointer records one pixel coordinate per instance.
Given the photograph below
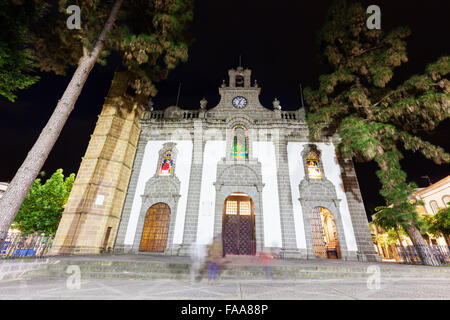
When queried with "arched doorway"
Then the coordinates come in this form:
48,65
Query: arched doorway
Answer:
238,225
324,234
156,227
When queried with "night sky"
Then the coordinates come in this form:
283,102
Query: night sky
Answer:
276,39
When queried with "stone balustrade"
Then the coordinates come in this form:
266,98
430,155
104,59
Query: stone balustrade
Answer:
289,115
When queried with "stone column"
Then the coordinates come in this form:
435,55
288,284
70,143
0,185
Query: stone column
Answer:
366,250
289,245
195,182
91,217
120,246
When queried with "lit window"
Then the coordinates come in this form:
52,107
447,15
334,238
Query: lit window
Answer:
313,166
244,208
166,164
231,207
240,142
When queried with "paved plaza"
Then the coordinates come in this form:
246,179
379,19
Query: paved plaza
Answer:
352,289
395,281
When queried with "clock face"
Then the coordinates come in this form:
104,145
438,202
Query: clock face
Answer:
239,102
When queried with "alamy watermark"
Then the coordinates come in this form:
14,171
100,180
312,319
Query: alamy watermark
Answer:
73,282
74,21
374,20
374,280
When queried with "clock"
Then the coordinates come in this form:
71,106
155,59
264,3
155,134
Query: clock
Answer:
239,102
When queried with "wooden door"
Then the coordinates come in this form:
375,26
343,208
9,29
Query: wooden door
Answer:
318,241
239,226
156,228
331,233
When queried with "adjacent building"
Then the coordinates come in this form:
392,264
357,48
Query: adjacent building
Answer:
434,197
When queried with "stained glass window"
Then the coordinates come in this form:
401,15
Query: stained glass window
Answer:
313,166
166,164
240,142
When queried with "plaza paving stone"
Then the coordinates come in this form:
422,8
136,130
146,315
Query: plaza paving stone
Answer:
396,282
226,290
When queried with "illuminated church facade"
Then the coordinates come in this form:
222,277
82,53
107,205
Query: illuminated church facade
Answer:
239,171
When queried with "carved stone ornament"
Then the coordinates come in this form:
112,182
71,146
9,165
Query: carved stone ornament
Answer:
276,104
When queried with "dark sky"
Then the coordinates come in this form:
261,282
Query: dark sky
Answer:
276,40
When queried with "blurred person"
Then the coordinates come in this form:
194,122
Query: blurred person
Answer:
275,252
266,257
197,254
214,257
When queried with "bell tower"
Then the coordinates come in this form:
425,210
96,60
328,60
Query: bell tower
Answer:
239,78
238,94
91,216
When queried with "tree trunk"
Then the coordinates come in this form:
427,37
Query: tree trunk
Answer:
16,192
401,244
424,251
447,239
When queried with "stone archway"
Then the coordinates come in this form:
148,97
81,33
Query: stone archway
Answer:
238,225
156,228
324,234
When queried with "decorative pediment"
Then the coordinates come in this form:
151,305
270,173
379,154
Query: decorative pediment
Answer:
317,190
162,186
239,174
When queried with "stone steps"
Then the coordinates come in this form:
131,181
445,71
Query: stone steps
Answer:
98,268
43,275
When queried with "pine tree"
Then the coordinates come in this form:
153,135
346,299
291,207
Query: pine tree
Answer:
17,19
150,35
373,118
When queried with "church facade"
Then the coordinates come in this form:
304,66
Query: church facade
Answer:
238,172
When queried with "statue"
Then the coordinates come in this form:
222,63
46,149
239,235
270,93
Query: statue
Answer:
150,105
203,103
276,104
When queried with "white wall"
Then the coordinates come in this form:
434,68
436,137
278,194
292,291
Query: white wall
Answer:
296,174
264,151
148,169
332,172
436,193
213,153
